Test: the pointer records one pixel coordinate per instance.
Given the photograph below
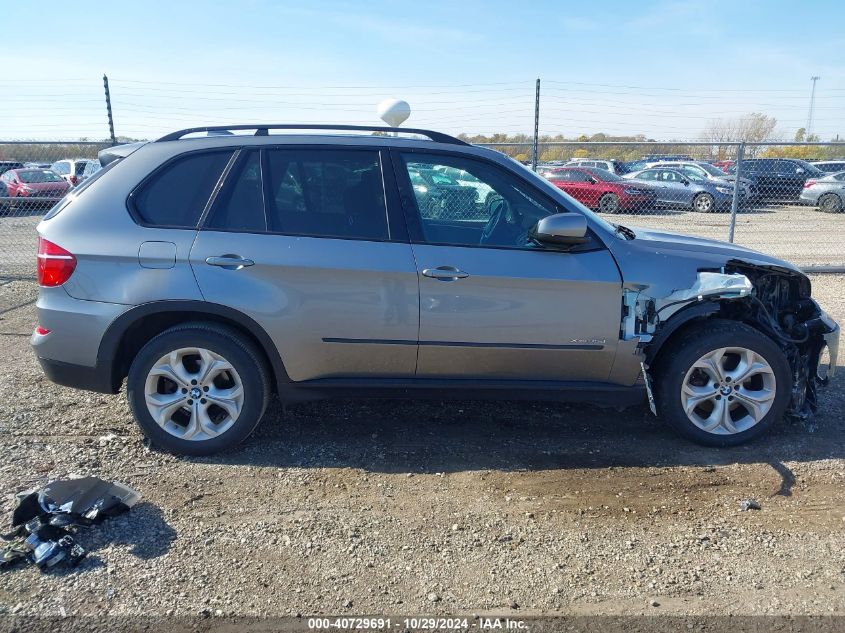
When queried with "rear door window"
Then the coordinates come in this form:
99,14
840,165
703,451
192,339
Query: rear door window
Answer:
177,193
327,193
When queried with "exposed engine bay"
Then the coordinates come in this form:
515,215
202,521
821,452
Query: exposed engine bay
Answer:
777,301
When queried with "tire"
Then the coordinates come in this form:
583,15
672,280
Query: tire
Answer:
677,376
237,376
704,203
609,203
830,203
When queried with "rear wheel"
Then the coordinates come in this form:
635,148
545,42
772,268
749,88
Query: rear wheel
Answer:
703,203
197,389
830,203
722,385
609,203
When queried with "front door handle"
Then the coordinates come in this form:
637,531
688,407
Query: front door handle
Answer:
229,262
445,273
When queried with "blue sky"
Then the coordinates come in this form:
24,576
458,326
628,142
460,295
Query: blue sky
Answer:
661,68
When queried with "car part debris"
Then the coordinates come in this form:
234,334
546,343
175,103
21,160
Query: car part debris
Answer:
647,379
749,504
43,519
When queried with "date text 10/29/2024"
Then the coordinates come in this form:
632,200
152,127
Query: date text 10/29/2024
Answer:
417,623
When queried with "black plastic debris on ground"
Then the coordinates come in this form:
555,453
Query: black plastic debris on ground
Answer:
44,520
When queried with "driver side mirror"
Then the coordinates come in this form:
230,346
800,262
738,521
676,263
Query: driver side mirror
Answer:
686,182
560,228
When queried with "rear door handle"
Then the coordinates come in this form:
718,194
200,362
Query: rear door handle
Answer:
445,273
229,262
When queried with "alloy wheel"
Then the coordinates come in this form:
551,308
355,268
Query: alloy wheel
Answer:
194,393
703,203
609,203
728,390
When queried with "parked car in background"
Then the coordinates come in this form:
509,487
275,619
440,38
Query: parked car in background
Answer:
91,168
4,193
71,169
723,164
702,169
466,179
441,196
663,157
617,167
6,165
778,178
827,193
599,189
35,183
829,166
34,165
675,188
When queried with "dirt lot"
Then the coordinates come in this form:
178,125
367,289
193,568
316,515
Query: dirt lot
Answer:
352,507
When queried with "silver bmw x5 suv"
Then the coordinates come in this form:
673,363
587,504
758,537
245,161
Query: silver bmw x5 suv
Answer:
210,270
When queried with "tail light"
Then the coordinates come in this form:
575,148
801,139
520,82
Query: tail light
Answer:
809,183
55,264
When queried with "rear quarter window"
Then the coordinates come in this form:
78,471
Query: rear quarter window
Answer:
176,194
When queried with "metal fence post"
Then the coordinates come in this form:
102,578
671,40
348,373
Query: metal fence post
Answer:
108,109
735,202
536,126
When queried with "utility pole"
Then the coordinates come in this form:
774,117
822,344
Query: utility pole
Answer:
814,79
536,126
108,109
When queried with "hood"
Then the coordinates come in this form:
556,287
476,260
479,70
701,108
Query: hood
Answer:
669,244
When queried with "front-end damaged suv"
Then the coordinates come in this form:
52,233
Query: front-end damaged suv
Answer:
210,272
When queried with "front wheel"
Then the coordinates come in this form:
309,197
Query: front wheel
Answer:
198,388
723,384
609,203
703,203
830,203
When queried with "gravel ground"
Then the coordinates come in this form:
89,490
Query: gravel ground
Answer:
435,508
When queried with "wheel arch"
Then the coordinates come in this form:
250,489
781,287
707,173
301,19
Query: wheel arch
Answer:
681,320
128,333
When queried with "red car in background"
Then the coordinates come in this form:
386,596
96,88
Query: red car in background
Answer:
35,183
601,190
722,164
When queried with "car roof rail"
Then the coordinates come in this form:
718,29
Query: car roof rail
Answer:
264,130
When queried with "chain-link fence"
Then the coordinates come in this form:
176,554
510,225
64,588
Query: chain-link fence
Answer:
33,177
790,201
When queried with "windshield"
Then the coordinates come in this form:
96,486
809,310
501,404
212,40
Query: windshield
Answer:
712,170
38,175
811,169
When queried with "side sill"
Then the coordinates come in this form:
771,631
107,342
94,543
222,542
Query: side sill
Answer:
462,389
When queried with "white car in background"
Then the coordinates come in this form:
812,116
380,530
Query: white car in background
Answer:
613,166
72,169
466,179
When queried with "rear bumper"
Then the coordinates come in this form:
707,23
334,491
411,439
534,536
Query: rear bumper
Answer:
96,378
808,198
